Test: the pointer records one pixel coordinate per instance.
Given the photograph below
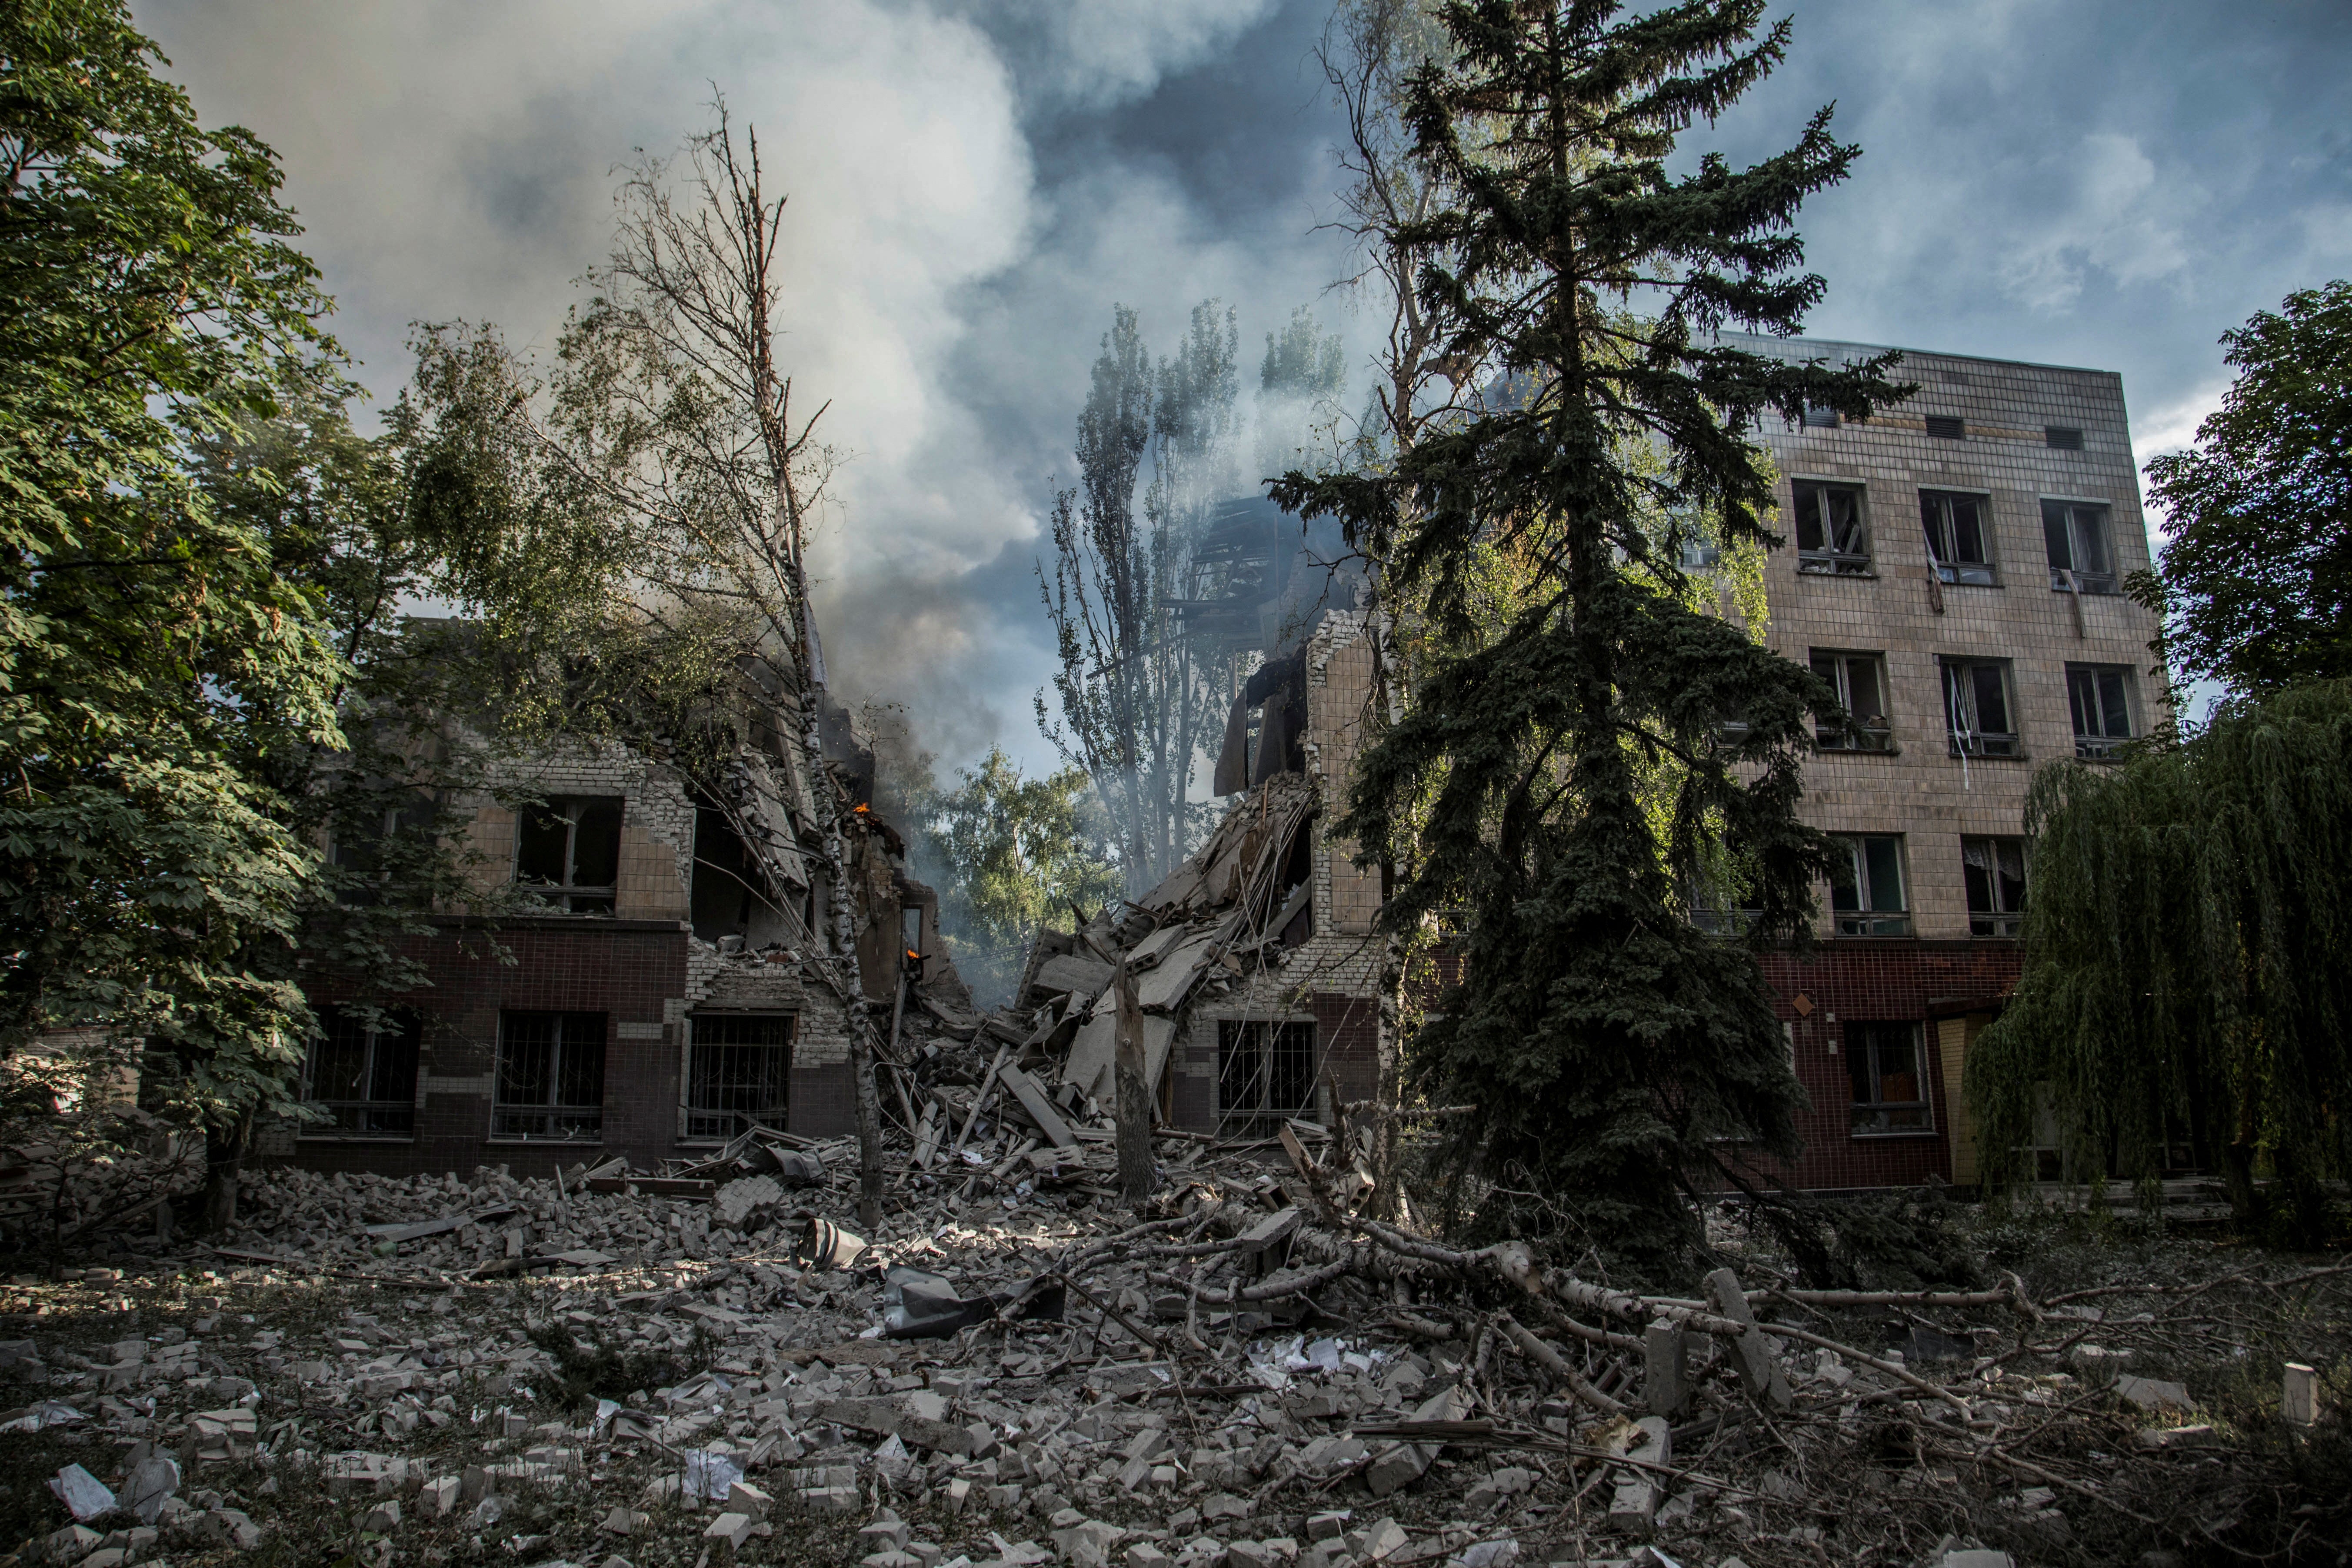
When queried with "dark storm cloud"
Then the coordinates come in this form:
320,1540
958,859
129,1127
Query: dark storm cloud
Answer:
975,182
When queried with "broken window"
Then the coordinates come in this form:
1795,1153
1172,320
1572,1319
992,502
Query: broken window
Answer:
723,873
1832,536
739,1071
362,1072
2099,695
1960,535
1860,682
1976,709
2076,533
568,852
1867,896
1265,1067
1994,869
550,1076
1890,1080
366,843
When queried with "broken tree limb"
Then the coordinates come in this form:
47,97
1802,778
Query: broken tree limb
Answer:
1134,1095
978,1100
1552,1362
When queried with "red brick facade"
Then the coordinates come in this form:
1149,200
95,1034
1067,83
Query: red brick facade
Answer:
1877,981
623,969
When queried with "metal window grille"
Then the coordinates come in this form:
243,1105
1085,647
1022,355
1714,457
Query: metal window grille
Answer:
1947,426
1888,1070
2098,695
2075,535
1960,535
1994,871
1832,535
1820,418
1860,682
2063,438
1867,896
1976,710
739,1072
1265,1069
363,1074
550,1077
568,853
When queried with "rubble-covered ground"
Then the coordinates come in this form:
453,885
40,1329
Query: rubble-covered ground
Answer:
1241,1376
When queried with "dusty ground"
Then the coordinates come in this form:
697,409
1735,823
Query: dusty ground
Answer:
1233,1438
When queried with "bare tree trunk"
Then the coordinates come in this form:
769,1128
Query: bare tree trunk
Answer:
1134,1096
870,1128
225,1152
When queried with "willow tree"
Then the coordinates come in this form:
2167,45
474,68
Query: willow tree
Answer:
2188,917
1607,1041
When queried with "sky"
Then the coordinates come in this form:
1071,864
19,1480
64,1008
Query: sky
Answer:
975,184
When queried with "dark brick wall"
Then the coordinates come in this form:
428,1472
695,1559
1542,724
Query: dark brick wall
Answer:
1348,1033
623,969
823,1102
1864,981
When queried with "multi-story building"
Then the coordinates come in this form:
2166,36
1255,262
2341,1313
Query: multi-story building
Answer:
654,965
1955,568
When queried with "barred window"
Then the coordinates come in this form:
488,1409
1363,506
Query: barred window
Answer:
550,1077
361,1071
1266,1068
739,1072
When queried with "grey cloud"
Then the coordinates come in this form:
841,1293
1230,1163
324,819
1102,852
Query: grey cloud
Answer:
974,182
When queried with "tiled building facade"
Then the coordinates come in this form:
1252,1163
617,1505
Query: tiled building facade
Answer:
1956,565
661,986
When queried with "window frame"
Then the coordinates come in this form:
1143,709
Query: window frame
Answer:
1866,916
1263,1038
1825,560
1952,568
1875,1117
373,1040
1998,917
2068,577
570,895
1858,736
1974,740
508,1114
2092,746
694,1079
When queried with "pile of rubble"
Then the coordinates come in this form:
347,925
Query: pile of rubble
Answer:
1249,1376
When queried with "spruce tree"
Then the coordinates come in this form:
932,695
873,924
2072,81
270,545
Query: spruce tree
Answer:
1566,770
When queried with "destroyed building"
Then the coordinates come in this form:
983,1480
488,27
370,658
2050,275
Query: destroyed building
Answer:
672,992
664,967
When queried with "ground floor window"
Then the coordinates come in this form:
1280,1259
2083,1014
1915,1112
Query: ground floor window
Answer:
362,1072
1265,1066
1890,1077
739,1071
550,1077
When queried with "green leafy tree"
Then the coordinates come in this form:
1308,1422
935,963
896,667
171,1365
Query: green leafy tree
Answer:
152,662
2188,915
1139,699
1019,853
2255,584
1607,1042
